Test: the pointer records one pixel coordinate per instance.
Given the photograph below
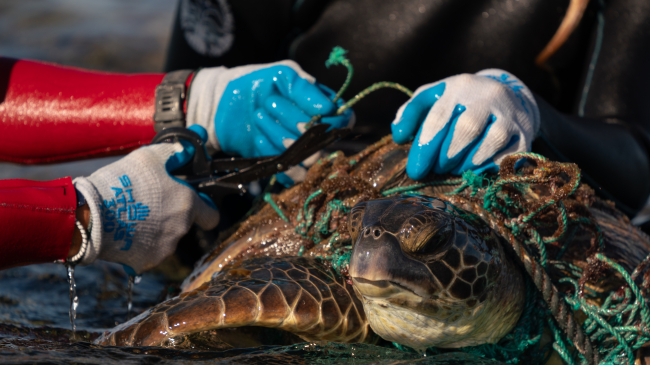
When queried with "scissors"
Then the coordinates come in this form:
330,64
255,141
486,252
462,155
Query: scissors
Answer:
220,177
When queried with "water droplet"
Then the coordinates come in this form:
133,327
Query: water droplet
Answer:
74,299
129,304
133,280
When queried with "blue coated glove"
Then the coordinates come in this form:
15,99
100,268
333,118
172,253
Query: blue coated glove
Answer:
259,110
466,122
139,211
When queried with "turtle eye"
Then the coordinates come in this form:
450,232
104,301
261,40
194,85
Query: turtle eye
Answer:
355,219
426,233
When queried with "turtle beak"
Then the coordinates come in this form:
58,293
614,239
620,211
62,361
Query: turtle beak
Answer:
379,267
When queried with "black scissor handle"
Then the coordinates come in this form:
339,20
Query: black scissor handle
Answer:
200,166
200,162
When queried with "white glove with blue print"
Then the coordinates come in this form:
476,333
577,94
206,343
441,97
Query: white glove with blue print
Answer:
259,110
467,122
139,211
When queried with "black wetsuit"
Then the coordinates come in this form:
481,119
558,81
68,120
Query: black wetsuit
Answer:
414,42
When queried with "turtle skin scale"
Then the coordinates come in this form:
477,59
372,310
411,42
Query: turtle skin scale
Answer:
295,294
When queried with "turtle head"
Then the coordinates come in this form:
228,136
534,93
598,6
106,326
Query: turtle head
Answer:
427,274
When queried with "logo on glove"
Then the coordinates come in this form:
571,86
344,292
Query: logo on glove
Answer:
512,84
124,228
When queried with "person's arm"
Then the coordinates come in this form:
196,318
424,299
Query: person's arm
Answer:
134,214
608,138
37,221
52,113
613,155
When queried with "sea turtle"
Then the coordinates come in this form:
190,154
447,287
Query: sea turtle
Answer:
425,269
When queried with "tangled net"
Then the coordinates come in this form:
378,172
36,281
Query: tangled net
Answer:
540,211
591,313
541,232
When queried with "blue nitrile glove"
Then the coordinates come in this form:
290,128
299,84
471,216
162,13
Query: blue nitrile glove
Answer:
139,211
288,115
466,122
258,110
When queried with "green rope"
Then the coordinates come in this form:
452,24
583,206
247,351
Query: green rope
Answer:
306,216
560,345
620,325
617,328
322,226
269,199
415,187
341,260
361,95
337,57
471,180
565,223
374,87
579,303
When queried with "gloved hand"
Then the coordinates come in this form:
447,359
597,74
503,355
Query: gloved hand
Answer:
258,110
139,211
466,122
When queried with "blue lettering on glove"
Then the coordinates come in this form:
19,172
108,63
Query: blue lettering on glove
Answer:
138,212
133,211
513,86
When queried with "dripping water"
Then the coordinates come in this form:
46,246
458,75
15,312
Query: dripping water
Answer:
74,299
133,280
129,304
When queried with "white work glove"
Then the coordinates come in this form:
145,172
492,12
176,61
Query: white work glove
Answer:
138,211
466,122
260,110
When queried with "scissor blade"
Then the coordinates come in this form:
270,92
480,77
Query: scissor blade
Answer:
312,141
234,164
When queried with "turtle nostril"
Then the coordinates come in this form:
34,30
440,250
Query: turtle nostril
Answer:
377,233
366,232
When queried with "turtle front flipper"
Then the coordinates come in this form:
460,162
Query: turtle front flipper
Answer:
298,295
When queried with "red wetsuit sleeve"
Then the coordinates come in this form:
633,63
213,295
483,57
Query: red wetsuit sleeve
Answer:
36,221
51,113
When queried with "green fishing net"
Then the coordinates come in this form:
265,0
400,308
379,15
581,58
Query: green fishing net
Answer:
541,210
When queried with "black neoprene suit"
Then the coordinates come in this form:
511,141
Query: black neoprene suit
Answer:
415,42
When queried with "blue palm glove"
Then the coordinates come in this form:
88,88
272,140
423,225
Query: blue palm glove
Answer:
466,122
258,110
